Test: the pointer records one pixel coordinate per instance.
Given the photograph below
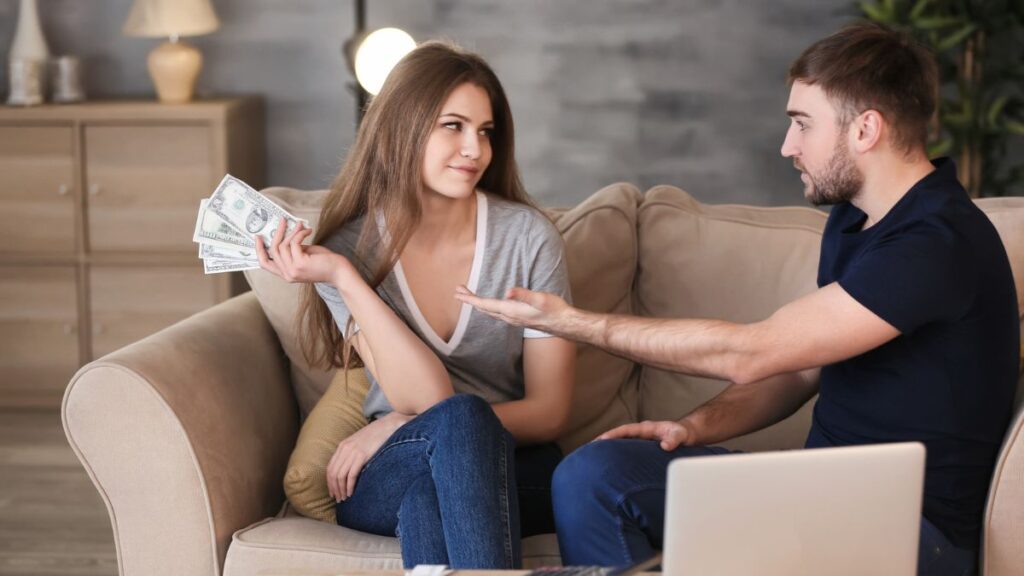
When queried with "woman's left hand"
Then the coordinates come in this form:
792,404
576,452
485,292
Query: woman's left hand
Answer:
288,258
355,451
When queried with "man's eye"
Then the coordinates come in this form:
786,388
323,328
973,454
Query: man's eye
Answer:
802,126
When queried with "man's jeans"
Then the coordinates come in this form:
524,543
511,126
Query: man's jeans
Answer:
445,484
609,499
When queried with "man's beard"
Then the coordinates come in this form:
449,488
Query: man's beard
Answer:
840,181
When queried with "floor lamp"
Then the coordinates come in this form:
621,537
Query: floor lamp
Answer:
370,56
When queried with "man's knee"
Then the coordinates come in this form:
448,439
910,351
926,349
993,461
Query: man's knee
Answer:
589,470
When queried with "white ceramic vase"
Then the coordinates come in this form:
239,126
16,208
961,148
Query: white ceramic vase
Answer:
29,43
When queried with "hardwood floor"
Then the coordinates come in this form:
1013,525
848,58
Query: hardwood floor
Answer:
52,520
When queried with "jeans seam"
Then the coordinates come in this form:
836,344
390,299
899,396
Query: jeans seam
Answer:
619,517
390,445
503,495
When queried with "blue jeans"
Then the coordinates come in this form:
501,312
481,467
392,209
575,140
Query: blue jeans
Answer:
445,485
609,499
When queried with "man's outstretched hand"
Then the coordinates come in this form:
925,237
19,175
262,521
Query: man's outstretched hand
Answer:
521,307
669,434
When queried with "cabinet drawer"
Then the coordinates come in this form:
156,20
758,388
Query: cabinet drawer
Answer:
38,334
131,302
144,183
37,206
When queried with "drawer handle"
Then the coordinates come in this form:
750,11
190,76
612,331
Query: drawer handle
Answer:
94,189
63,190
69,329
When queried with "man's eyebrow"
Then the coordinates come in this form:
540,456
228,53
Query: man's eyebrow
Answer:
463,118
797,114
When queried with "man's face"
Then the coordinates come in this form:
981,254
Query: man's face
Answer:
818,146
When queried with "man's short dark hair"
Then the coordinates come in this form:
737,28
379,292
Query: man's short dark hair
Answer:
868,66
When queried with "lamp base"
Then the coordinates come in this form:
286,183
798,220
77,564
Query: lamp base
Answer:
174,67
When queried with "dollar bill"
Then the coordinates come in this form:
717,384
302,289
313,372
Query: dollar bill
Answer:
213,231
215,266
250,212
212,252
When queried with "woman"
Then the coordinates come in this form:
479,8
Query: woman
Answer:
463,408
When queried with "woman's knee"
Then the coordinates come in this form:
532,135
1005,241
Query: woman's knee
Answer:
467,410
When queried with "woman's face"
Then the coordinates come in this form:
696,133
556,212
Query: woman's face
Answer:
459,147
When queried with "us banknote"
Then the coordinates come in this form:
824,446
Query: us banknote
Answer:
228,222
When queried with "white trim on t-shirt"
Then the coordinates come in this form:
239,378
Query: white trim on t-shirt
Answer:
448,347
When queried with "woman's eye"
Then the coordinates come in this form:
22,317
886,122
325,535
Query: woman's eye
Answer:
452,125
487,132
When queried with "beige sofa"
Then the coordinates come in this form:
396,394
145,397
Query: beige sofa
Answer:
186,433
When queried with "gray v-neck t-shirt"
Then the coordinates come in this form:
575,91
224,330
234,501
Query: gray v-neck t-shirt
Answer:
515,246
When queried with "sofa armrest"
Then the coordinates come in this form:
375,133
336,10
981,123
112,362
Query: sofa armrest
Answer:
186,435
1002,543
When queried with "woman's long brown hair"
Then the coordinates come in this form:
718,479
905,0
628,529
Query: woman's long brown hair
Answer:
382,175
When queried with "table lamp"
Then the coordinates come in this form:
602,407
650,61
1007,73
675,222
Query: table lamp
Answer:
173,65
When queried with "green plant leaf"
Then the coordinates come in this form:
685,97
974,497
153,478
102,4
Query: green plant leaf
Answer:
996,109
956,37
937,22
876,12
1015,127
918,9
940,148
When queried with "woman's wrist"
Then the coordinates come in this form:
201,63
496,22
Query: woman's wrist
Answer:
346,279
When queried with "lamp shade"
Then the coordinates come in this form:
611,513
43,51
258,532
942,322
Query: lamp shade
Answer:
171,18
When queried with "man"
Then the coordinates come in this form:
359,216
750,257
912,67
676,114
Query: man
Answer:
912,335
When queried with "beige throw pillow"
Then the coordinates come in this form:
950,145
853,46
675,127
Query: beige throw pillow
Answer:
337,415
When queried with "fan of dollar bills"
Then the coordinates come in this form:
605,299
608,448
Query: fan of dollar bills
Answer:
228,222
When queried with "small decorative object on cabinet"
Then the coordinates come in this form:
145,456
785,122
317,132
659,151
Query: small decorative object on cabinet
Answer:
97,207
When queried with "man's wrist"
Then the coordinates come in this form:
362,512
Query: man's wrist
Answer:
692,436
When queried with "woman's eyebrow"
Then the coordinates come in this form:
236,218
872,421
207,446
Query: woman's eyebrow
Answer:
464,118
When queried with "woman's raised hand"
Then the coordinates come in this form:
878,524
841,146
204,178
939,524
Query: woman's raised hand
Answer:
288,258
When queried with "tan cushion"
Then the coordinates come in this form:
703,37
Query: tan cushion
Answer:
1007,215
1003,530
337,415
737,263
295,545
280,301
601,251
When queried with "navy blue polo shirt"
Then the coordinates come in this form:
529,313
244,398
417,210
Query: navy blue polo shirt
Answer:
935,269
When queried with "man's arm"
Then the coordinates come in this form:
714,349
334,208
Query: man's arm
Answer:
739,409
821,328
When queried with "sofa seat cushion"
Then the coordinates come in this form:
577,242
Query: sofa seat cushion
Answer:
293,545
730,262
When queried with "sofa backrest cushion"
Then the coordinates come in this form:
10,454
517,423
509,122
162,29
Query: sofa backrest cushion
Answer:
729,262
601,251
601,247
280,301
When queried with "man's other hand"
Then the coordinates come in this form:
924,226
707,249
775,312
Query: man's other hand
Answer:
521,307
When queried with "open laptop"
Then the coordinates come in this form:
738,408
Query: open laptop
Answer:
827,511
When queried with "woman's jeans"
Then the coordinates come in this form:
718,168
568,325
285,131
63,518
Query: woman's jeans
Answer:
446,483
609,499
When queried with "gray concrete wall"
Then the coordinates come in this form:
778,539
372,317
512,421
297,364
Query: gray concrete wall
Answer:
682,92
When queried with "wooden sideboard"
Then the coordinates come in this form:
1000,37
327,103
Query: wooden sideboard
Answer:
98,202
